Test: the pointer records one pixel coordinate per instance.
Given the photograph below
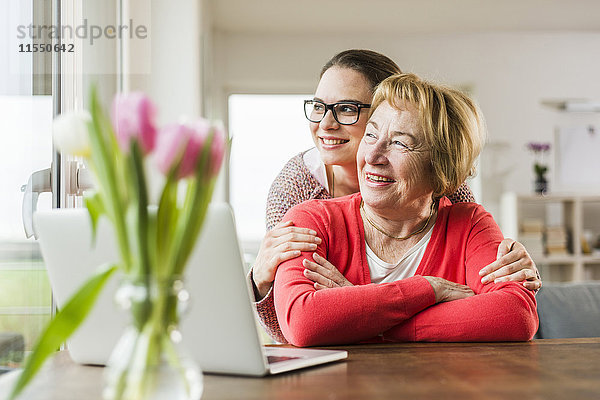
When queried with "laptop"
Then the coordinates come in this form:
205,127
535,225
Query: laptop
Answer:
220,329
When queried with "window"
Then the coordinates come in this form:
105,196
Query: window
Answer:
25,146
266,131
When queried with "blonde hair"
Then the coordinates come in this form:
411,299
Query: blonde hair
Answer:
452,124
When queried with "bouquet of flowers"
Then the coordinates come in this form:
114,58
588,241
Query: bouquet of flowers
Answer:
154,242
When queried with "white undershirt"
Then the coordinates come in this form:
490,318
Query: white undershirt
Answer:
383,272
312,160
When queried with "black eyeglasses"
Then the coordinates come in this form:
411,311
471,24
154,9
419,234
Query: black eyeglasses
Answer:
344,112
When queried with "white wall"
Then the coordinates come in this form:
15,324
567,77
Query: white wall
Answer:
171,65
509,74
174,63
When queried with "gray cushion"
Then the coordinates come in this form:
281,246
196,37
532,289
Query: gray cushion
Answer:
569,310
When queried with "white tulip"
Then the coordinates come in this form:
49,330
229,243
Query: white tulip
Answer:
70,133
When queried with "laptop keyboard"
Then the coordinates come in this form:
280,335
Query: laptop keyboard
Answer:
274,359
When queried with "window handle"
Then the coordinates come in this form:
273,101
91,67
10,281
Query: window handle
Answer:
79,180
39,182
84,180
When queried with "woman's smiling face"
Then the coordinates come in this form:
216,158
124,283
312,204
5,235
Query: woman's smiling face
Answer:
393,161
338,143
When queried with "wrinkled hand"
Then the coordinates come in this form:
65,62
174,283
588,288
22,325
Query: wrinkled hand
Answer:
284,242
513,263
447,291
323,273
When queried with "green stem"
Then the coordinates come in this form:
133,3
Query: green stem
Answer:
105,170
197,213
141,205
167,221
195,206
175,361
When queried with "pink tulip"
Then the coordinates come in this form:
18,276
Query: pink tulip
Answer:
183,144
133,119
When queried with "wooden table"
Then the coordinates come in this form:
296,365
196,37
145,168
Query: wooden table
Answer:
542,369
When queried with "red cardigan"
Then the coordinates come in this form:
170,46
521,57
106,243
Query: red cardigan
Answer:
465,238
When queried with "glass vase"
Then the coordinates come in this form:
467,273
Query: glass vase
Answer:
540,185
149,361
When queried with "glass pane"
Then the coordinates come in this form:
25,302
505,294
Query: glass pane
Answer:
267,131
25,147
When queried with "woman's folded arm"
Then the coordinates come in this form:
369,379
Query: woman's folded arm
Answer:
506,312
343,315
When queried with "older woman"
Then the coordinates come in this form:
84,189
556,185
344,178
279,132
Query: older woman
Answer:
411,258
338,116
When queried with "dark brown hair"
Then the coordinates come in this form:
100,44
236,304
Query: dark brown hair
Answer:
375,67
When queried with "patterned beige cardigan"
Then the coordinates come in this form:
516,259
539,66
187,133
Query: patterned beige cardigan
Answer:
292,186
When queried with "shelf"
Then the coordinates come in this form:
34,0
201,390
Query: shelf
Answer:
573,105
550,198
567,259
534,219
